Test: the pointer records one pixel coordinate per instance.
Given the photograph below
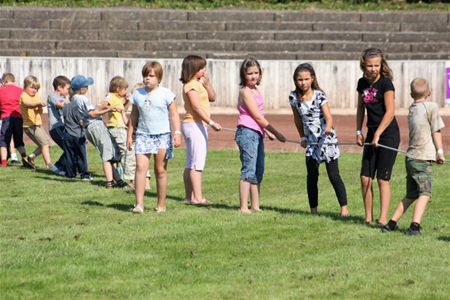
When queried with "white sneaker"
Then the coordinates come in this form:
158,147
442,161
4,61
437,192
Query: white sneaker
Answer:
57,171
138,209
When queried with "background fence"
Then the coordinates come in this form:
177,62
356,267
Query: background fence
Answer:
337,78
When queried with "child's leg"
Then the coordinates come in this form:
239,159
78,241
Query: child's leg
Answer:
312,168
259,172
419,209
196,184
45,149
244,191
338,185
254,197
161,178
367,194
108,170
139,179
401,208
188,193
385,199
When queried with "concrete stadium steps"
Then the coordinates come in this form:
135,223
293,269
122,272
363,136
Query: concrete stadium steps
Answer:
222,33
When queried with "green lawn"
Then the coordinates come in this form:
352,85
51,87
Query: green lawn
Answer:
77,240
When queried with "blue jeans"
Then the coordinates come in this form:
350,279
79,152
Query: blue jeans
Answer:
251,148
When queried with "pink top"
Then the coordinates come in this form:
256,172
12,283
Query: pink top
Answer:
245,119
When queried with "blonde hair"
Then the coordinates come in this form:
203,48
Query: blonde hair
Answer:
419,88
118,82
156,67
375,52
31,81
8,77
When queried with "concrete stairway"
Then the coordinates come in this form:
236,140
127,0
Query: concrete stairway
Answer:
296,35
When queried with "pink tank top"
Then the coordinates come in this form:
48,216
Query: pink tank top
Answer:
245,119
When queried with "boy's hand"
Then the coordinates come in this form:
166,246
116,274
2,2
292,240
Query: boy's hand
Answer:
440,159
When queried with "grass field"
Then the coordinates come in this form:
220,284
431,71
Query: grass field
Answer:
77,240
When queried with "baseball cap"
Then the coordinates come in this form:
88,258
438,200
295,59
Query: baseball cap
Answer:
80,81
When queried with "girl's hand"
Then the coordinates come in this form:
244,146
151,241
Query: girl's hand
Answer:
129,144
375,140
360,140
205,78
216,127
303,143
176,140
269,135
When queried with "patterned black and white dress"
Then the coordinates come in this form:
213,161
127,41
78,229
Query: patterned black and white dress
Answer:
320,147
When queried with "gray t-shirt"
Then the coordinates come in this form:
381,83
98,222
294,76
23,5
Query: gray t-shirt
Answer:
55,115
72,120
82,105
423,121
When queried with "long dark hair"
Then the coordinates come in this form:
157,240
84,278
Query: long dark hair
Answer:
246,64
375,52
308,68
191,64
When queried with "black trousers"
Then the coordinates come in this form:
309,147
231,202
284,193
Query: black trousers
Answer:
75,156
312,166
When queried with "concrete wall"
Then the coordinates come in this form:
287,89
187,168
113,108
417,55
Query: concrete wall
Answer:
337,78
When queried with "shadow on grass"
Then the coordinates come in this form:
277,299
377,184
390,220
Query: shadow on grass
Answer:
444,238
118,206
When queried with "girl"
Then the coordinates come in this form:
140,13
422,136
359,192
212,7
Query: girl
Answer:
314,124
154,112
250,133
376,95
197,93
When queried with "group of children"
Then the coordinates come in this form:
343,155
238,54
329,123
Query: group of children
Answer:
126,142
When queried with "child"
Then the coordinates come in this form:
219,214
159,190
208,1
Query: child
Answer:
12,121
425,137
314,124
56,101
31,107
197,93
252,126
96,131
154,112
376,95
117,120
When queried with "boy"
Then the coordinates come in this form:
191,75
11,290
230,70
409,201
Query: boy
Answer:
425,137
31,107
12,122
56,101
96,131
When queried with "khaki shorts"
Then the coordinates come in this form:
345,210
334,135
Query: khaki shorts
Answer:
419,178
38,135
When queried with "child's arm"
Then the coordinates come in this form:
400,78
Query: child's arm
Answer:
30,103
194,99
328,119
131,125
437,140
247,97
175,124
99,112
360,111
124,117
299,125
209,88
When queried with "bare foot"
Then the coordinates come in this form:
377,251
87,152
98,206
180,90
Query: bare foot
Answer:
245,211
257,209
344,211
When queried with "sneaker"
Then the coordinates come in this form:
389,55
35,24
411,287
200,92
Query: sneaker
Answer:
386,228
14,162
57,171
121,184
87,178
410,231
138,209
159,210
109,184
26,163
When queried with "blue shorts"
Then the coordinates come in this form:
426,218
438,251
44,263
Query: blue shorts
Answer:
12,127
152,143
251,148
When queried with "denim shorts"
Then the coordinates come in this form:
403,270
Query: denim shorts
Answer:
251,148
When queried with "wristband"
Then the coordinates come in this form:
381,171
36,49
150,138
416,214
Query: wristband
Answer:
211,123
302,139
177,132
358,132
440,151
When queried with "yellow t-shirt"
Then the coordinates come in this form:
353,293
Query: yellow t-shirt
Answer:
115,118
31,115
191,115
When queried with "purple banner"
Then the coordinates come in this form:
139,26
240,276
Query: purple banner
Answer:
447,84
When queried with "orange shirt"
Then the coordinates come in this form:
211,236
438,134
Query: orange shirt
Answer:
191,115
31,115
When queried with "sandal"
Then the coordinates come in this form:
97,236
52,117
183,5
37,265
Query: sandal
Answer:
109,184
